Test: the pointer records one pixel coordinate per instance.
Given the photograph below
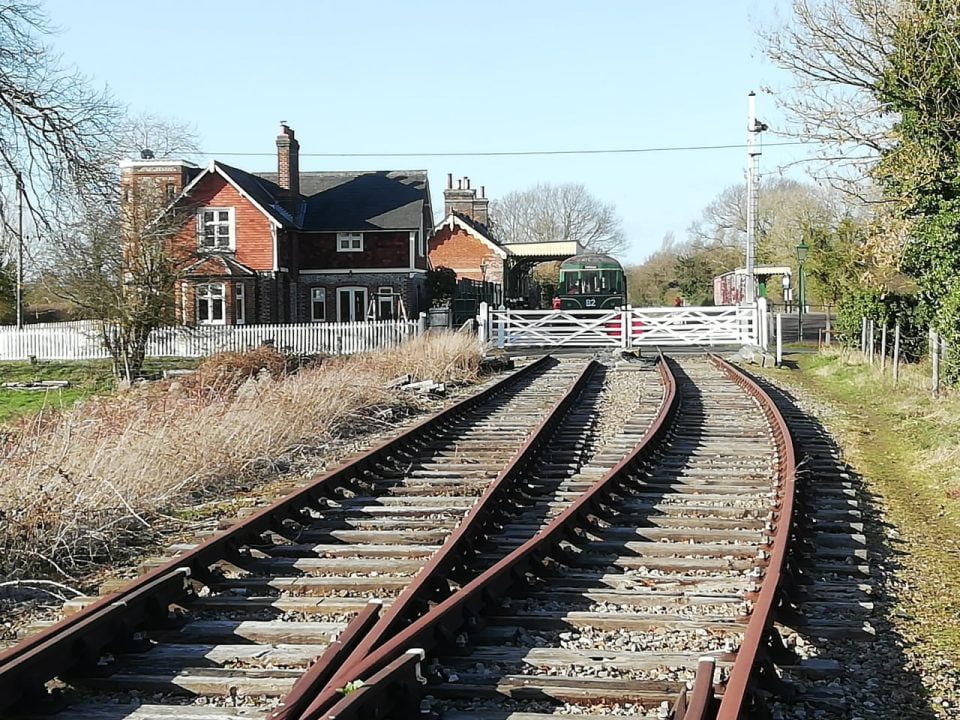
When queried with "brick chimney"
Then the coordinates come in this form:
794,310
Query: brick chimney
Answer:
464,200
288,160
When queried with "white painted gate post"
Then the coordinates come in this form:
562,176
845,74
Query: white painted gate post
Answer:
483,320
763,339
779,339
422,324
626,341
502,319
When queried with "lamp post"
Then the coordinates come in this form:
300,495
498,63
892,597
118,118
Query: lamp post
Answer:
801,288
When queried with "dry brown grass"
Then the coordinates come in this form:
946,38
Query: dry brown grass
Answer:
84,486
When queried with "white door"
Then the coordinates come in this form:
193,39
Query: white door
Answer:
351,304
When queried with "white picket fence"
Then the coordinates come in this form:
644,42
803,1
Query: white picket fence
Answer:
81,340
624,328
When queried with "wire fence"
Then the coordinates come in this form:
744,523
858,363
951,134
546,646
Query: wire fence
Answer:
887,347
883,345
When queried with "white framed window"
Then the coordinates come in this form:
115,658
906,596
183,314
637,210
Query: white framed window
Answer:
349,242
210,304
216,229
239,304
351,304
318,304
385,303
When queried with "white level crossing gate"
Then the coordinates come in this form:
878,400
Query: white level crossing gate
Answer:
626,328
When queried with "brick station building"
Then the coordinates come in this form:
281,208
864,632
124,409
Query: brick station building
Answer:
292,246
465,242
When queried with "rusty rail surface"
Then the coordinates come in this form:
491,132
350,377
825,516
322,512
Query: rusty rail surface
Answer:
431,582
392,692
81,638
736,691
441,623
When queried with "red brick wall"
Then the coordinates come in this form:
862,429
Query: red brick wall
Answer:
253,230
318,251
462,252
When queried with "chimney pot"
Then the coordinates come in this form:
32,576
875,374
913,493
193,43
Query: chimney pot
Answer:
459,184
483,191
449,181
466,182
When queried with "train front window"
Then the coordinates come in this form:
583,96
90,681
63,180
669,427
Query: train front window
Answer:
611,282
592,281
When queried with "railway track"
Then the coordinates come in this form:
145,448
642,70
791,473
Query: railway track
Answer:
651,593
247,624
581,540
646,593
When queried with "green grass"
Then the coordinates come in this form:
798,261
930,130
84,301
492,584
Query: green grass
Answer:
86,377
906,445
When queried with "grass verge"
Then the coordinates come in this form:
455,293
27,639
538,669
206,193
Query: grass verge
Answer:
87,486
906,445
86,378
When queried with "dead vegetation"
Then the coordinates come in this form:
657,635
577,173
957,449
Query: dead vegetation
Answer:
87,486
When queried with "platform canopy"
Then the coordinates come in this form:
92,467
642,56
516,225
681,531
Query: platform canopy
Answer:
545,251
766,270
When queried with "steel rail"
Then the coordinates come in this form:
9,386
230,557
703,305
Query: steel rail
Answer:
701,703
82,637
463,607
392,692
736,690
452,557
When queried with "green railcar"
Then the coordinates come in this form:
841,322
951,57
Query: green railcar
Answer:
592,282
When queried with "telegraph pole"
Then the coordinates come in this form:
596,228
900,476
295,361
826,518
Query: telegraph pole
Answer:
20,191
754,128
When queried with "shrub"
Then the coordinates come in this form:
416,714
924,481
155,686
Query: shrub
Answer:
87,485
441,285
884,308
948,325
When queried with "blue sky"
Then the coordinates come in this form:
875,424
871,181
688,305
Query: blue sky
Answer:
438,75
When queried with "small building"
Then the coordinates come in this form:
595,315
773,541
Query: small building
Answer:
292,246
465,242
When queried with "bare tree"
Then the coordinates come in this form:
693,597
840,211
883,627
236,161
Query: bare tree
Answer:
837,52
549,212
786,208
164,137
54,127
119,263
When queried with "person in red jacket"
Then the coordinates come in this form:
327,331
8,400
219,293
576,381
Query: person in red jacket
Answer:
556,303
678,301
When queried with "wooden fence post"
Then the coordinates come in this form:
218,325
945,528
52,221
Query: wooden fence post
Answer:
883,347
935,357
422,324
829,327
863,336
896,353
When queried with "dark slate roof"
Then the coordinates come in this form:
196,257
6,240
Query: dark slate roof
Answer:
264,192
478,227
374,200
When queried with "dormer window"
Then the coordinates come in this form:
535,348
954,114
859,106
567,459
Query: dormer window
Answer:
216,229
349,242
